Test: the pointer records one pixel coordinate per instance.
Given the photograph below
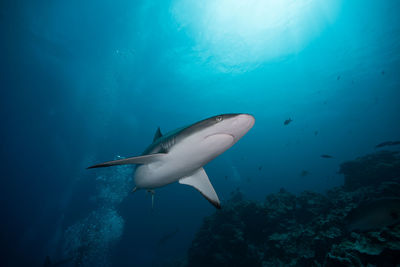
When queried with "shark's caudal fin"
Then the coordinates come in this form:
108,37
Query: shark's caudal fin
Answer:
200,181
145,159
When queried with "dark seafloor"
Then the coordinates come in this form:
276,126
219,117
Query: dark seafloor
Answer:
309,229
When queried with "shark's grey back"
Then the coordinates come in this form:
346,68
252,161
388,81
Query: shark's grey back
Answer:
164,143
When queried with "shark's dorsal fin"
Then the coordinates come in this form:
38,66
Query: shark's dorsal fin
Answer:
157,135
200,181
145,159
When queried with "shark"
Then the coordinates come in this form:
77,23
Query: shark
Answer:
180,155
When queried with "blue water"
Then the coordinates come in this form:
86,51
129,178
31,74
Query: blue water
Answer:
84,81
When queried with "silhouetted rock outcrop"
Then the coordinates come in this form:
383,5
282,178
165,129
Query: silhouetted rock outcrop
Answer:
307,229
371,169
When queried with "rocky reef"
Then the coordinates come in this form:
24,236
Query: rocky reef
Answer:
371,169
309,229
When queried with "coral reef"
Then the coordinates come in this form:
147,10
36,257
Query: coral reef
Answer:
371,169
307,229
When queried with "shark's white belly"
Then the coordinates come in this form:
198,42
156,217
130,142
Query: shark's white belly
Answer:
182,160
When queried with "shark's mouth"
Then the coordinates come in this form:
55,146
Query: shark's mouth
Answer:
220,140
220,134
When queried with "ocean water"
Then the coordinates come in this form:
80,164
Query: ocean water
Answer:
84,82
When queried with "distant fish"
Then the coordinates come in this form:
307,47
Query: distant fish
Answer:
325,156
304,173
383,72
374,214
286,122
316,133
388,143
260,168
167,237
338,78
235,174
49,263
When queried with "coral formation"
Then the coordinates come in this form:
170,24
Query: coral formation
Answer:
371,169
307,229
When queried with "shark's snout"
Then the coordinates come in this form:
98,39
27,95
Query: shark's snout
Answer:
241,124
246,120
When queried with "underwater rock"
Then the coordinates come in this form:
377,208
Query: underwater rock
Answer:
374,214
309,229
371,169
379,248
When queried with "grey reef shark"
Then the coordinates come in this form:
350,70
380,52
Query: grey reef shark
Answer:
181,154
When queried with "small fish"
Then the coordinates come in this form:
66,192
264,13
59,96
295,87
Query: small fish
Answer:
325,156
260,168
388,143
167,236
304,173
338,78
316,133
49,263
374,214
286,122
383,72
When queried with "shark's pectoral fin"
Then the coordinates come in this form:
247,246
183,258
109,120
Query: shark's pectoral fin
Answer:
145,159
200,181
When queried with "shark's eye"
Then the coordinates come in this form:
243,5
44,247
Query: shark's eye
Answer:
219,118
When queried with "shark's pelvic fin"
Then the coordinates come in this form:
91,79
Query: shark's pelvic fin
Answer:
200,181
152,192
157,135
145,159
